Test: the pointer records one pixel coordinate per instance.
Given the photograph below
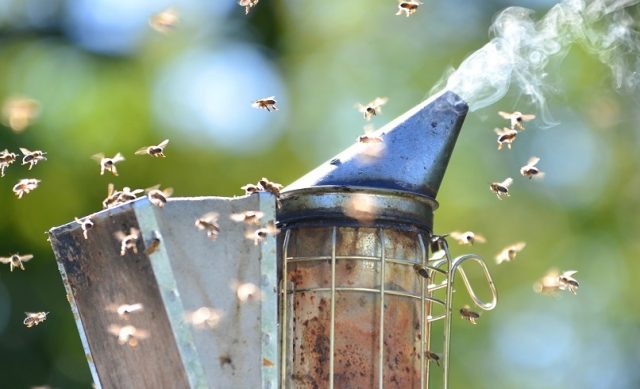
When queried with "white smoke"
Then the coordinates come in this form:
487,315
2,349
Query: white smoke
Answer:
522,47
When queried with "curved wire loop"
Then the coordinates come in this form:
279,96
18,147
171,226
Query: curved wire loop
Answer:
456,265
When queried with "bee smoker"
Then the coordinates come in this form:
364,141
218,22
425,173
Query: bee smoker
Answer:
357,290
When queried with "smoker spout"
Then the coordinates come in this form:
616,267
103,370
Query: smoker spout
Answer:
416,149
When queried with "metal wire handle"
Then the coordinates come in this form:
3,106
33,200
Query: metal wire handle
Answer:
453,266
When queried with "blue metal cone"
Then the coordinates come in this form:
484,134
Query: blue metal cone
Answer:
417,148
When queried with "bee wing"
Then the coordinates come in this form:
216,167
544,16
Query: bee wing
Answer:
507,182
110,189
502,256
163,143
155,187
360,107
457,235
26,257
167,191
5,259
518,246
569,273
141,150
117,158
237,217
119,235
134,231
137,191
210,217
528,117
379,101
256,104
25,151
250,234
505,115
480,239
533,161
114,329
500,131
98,157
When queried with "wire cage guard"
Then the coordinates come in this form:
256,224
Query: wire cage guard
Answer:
353,311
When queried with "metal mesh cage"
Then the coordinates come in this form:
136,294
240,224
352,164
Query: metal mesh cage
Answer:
337,281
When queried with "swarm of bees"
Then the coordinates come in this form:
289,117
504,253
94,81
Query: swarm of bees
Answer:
509,253
408,7
25,185
247,4
268,103
209,223
108,164
117,197
16,260
34,318
154,150
158,197
517,119
261,233
128,334
501,188
19,112
467,314
506,136
6,159
128,242
467,237
32,157
373,108
554,281
165,21
530,170
85,224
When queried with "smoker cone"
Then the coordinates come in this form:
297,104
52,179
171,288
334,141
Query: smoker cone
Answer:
417,148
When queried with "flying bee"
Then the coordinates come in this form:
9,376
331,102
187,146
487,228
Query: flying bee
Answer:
247,4
34,318
250,189
19,112
260,234
16,260
373,108
128,334
517,119
125,309
468,314
154,151
433,357
247,217
158,197
112,197
165,21
127,194
422,270
370,139
468,237
509,253
268,103
209,223
32,157
204,317
549,284
85,224
128,242
506,136
501,188
6,159
25,185
269,186
108,164
567,282
153,244
408,7
530,170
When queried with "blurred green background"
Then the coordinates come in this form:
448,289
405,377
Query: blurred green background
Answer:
107,82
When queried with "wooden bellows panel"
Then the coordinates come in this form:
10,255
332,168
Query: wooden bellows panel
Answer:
209,306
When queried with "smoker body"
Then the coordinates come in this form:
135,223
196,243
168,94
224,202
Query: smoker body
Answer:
355,313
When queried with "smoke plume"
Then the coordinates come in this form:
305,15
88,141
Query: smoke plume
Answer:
521,48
